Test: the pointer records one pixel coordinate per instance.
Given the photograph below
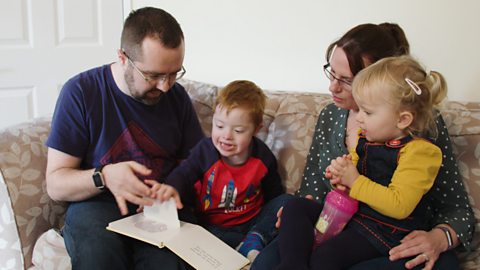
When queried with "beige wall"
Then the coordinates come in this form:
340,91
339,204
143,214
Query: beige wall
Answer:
280,44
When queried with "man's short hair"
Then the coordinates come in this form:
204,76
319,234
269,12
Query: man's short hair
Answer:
149,22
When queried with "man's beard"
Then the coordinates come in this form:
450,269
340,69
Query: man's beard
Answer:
142,97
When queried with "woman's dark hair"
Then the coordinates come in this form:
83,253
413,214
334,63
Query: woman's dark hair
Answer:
149,22
367,43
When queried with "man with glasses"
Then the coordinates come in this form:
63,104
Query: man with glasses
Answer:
114,126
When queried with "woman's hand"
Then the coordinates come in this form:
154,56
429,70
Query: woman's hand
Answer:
425,246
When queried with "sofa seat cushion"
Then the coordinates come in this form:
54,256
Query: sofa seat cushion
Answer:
50,252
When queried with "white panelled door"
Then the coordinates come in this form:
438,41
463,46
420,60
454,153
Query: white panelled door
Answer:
44,43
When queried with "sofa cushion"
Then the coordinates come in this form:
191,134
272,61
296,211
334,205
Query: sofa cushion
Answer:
203,98
23,163
11,256
291,131
463,123
50,252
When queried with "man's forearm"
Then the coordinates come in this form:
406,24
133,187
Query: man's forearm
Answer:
68,184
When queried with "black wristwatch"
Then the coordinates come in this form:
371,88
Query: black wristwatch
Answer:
447,234
98,178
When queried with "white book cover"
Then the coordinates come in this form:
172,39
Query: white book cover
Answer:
159,225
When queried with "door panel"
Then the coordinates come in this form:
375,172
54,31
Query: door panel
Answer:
44,43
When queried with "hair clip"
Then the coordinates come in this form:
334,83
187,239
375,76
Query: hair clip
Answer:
414,86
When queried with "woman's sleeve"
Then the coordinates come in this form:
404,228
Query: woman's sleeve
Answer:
311,172
327,139
449,197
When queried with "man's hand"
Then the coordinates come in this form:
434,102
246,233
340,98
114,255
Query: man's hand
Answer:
120,178
425,246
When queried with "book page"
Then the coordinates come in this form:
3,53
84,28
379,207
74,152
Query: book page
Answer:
191,242
159,225
164,212
148,230
203,250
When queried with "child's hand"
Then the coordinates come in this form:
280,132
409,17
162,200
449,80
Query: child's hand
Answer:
328,173
343,171
164,192
154,187
334,178
279,217
332,171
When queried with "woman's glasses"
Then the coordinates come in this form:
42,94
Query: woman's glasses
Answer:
346,83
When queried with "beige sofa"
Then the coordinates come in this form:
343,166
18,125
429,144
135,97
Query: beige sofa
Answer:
26,211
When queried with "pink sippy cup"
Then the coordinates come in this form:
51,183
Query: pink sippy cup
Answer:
336,212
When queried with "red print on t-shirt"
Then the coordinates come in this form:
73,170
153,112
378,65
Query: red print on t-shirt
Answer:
135,144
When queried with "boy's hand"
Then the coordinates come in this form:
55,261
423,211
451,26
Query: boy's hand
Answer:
164,192
279,218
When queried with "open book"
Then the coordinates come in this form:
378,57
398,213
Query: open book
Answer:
159,226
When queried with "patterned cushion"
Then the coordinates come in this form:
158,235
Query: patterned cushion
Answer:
463,123
23,163
50,252
203,98
290,133
11,255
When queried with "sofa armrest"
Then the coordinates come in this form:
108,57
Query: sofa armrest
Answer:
26,211
10,253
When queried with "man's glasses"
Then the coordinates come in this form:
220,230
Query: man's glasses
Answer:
157,78
344,82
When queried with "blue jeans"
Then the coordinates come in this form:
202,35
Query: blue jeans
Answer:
263,224
91,246
269,258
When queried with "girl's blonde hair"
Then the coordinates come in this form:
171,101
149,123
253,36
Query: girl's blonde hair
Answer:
402,82
246,95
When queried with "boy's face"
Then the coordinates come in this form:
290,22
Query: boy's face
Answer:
232,134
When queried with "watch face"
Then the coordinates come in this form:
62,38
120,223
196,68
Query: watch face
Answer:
98,180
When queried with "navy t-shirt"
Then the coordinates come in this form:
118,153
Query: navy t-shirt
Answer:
95,121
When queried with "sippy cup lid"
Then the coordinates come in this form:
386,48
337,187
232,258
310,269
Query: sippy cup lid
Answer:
342,201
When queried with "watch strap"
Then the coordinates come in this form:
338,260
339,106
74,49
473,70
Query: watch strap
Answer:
97,176
448,234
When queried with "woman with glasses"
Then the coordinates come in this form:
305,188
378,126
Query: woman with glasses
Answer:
452,219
